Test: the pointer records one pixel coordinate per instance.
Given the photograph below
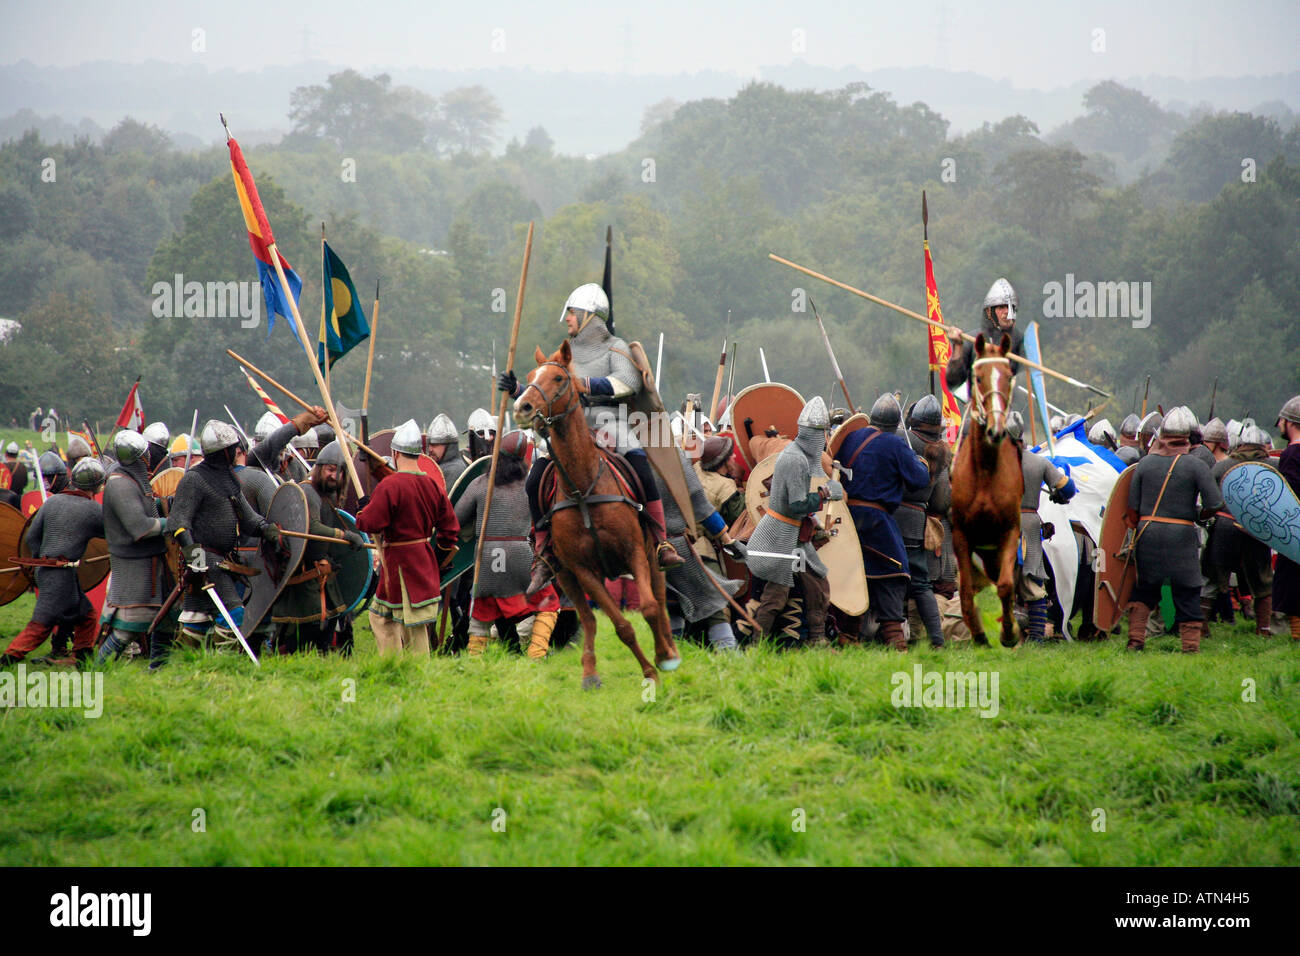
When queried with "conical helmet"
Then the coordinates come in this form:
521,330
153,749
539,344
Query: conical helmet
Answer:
1178,423
215,436
88,474
1015,425
927,413
157,433
885,413
1130,426
814,414
1001,293
331,454
1215,431
407,438
588,298
442,431
265,425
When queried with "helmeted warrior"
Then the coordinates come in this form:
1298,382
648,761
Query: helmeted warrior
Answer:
53,472
608,378
409,509
692,583
999,314
256,466
158,437
921,505
141,580
1286,583
14,479
1129,450
307,445
1229,549
1038,472
312,600
507,557
716,471
481,427
78,448
881,468
1163,509
1102,434
444,448
1214,436
787,528
57,537
208,517
1149,431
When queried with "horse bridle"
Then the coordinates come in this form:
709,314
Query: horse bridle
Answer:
542,423
979,398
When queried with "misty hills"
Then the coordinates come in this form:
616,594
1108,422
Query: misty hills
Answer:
584,113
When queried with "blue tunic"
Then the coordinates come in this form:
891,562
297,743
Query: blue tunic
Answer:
882,473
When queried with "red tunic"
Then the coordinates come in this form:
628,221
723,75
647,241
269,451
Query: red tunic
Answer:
408,506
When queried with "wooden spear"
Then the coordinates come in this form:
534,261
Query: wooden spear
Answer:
501,419
370,363
303,402
717,380
928,321
320,537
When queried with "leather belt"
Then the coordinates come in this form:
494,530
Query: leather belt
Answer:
1028,511
780,517
868,504
322,570
398,544
1166,520
1226,514
912,504
505,537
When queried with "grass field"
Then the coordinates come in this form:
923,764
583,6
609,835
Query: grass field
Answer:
762,758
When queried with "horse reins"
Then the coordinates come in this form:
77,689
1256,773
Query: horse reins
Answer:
542,423
980,397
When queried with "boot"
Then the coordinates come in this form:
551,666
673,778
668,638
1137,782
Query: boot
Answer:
1190,633
770,606
477,644
543,570
1264,615
668,556
1207,609
112,647
892,632
1036,626
1137,625
1294,621
722,637
539,640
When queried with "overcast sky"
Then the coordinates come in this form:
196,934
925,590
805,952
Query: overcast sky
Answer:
1026,42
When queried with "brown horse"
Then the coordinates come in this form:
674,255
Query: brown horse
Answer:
602,536
987,486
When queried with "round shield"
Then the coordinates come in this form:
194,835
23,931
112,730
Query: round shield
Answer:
31,503
842,555
464,558
758,487
277,563
382,443
762,406
1115,576
164,486
851,424
356,577
15,582
430,468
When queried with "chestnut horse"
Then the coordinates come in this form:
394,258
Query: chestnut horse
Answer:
608,543
987,487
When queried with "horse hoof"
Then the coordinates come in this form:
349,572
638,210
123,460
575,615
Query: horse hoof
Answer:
591,683
670,664
980,640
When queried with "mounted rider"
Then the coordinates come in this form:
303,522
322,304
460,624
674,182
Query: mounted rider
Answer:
610,377
444,448
999,313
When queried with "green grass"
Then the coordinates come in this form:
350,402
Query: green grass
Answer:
715,770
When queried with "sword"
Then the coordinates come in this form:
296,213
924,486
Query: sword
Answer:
191,439
723,591
659,364
763,358
40,479
230,622
248,442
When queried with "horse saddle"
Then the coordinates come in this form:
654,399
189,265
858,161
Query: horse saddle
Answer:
629,484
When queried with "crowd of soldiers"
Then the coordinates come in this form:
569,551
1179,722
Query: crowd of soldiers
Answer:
728,575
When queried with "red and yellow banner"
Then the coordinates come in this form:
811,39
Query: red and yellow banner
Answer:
940,347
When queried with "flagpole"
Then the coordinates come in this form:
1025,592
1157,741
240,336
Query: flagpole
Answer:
323,279
921,318
925,236
501,417
315,369
370,363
